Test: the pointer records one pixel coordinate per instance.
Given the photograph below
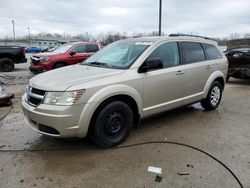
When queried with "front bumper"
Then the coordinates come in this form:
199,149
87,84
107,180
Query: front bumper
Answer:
36,69
239,72
58,121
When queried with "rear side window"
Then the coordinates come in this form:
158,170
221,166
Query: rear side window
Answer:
80,49
92,48
168,53
192,52
211,52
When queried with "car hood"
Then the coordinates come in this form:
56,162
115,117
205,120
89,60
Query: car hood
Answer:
63,78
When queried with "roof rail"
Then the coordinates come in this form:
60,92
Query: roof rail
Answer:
187,35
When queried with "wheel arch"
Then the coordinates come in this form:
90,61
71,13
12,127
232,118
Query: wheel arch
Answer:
216,76
9,56
106,95
59,62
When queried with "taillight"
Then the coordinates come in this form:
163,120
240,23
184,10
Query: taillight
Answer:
24,52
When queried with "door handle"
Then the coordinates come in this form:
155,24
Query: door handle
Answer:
208,66
180,72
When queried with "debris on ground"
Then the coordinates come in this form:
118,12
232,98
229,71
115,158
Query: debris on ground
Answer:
156,170
183,173
190,166
5,98
2,146
158,178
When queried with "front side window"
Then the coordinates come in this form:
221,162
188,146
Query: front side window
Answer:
120,55
168,53
80,49
192,52
211,51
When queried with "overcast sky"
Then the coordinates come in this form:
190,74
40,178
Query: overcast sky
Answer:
217,18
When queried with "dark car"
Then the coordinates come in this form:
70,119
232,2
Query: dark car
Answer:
239,63
10,55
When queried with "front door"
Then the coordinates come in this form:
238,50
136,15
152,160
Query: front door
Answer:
164,88
80,54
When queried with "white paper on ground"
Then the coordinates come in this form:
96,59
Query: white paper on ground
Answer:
154,169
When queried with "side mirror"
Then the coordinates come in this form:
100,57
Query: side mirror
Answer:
72,53
151,64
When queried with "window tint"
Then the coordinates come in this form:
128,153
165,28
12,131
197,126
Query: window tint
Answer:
168,53
80,49
211,51
92,47
192,52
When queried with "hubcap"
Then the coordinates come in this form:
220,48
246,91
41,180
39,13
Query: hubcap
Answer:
114,124
215,96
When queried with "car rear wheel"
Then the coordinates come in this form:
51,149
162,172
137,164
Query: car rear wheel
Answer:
6,65
213,98
112,124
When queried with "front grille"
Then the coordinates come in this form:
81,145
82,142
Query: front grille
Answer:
34,101
35,96
38,91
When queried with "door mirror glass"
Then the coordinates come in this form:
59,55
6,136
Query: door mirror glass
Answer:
151,64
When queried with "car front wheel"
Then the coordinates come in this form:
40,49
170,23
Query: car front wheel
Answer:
213,98
112,124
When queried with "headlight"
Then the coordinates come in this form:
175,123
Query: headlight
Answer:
44,59
63,98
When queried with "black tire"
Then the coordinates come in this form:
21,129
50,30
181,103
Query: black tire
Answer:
59,65
6,65
112,124
213,98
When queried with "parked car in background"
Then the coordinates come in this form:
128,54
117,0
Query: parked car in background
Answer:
239,63
52,49
67,54
33,49
110,92
11,55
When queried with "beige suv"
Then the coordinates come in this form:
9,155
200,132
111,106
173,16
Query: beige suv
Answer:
128,80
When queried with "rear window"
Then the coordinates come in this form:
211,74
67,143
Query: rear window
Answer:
192,52
92,47
211,52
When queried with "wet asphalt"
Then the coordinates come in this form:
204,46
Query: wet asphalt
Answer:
28,159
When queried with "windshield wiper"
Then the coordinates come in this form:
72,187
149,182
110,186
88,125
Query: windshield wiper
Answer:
98,64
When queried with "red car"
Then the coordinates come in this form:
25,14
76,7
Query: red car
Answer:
67,54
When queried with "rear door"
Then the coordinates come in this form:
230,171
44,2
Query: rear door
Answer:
92,48
197,69
163,88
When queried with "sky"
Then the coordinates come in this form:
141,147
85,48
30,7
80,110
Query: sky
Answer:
214,18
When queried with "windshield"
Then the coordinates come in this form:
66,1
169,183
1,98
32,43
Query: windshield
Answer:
63,48
121,54
241,49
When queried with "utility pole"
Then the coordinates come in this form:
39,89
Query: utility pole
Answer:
29,34
160,12
14,35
